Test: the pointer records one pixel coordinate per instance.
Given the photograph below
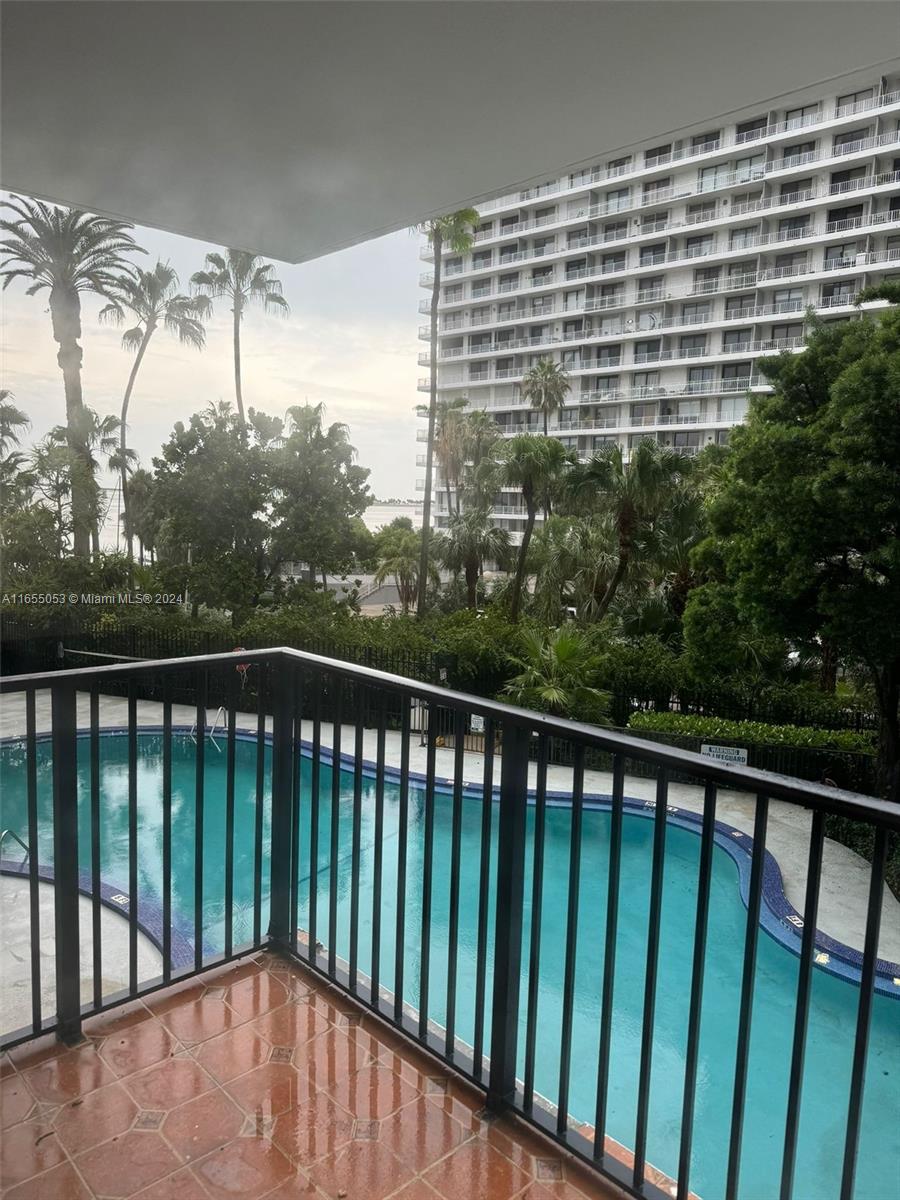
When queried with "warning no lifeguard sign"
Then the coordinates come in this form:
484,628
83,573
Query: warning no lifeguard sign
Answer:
728,754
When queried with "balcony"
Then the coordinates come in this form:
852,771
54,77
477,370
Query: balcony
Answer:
349,999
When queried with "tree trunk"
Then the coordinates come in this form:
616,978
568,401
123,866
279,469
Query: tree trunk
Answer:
437,245
95,538
123,443
65,311
449,505
829,666
887,696
546,424
238,393
141,551
472,584
519,580
613,587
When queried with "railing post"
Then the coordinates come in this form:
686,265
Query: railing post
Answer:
65,863
508,927
282,693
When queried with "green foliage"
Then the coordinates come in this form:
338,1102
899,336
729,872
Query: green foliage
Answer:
753,732
718,643
556,675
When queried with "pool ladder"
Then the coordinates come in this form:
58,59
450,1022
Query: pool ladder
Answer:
4,834
220,712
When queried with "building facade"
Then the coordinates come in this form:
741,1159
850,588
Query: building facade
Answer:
662,274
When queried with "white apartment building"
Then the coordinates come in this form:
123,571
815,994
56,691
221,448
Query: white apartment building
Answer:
663,273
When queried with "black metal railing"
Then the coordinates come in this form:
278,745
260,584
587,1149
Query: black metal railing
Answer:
309,825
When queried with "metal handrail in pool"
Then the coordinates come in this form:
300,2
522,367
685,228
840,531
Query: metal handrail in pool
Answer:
291,685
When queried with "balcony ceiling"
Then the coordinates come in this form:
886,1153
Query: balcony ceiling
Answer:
297,128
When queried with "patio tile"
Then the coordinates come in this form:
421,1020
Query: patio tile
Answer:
61,1183
183,1185
118,1019
270,1089
330,1058
199,1019
28,1149
16,1100
70,1075
246,1167
255,994
169,1084
136,1046
313,1129
125,1164
373,1093
232,1054
292,1024
100,1115
477,1171
421,1133
202,1125
366,1168
417,1190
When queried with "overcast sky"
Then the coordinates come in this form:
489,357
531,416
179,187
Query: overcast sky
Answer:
350,341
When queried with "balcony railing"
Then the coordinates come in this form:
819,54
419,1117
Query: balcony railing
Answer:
347,857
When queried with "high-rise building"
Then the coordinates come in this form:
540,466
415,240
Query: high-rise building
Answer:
662,274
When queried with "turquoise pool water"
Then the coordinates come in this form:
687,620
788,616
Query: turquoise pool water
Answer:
833,1004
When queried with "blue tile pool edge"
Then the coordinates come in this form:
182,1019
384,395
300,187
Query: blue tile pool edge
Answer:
778,917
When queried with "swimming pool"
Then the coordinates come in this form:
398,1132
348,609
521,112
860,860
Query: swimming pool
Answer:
833,1000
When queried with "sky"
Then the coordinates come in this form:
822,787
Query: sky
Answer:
350,342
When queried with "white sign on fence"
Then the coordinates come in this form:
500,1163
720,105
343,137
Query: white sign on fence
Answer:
728,754
476,723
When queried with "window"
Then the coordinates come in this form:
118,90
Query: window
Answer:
542,304
653,254
747,129
704,211
788,299
577,237
482,259
699,310
657,153
805,115
609,356
739,239
706,279
570,358
845,141
508,283
740,274
618,200
702,142
452,294
735,340
787,332
484,229
617,166
708,179
844,255
654,222
794,226
735,375
647,351
841,292
573,299
539,333
688,409
732,408
611,293
541,275
686,441
607,385
508,222
656,189
853,98
699,379
614,262
570,328
650,288
692,345
615,230
453,265
575,268
750,167
797,189
545,214
544,245
643,414
506,310
645,382
699,244
801,152
847,217
843,181
736,306
793,264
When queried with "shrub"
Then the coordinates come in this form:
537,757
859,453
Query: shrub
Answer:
754,733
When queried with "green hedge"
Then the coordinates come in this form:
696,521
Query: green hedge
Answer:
754,733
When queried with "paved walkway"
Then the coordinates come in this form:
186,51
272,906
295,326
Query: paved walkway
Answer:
845,875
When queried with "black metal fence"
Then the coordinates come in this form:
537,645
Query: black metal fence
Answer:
293,848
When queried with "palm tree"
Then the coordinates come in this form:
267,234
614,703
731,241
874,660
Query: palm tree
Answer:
141,519
469,540
151,298
12,419
94,435
66,252
402,561
545,387
636,497
455,232
534,464
450,444
245,279
556,667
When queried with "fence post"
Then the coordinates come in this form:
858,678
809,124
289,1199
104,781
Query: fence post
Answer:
282,694
508,928
65,863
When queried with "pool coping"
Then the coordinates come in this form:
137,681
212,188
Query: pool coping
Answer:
778,917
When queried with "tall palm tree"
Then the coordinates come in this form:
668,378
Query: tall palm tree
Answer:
636,497
534,464
151,299
456,233
450,445
245,279
66,252
94,436
545,387
12,419
469,540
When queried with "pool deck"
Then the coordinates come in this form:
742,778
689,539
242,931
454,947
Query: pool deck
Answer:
260,1081
845,875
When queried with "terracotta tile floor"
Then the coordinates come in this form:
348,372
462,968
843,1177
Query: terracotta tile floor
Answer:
259,1081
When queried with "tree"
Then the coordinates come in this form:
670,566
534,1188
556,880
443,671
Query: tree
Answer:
245,279
50,468
809,510
636,497
450,443
536,465
555,672
573,559
151,299
545,387
456,233
469,540
141,517
66,252
401,561
212,488
92,436
319,492
12,420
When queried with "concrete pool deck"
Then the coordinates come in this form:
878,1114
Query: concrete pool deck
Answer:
845,875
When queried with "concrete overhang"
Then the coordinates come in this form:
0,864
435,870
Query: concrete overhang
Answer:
297,127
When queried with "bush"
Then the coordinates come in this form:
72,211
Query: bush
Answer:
754,733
